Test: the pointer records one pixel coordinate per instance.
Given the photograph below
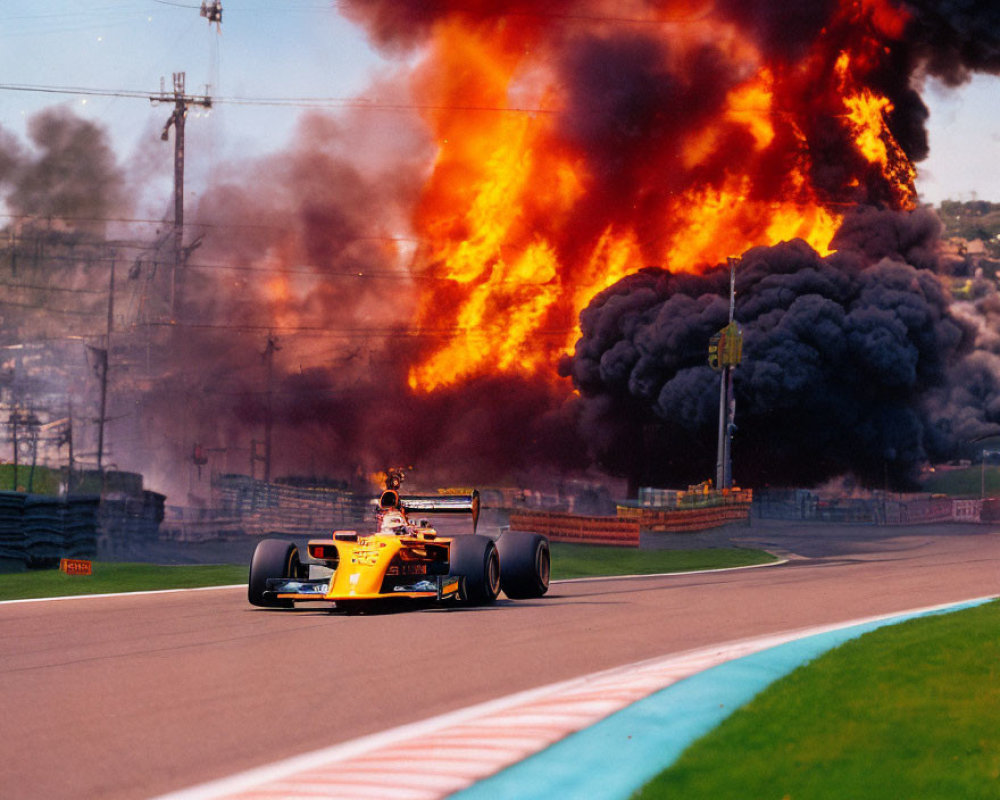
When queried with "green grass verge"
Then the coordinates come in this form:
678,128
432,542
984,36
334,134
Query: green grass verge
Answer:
590,561
967,482
907,711
568,561
108,578
39,480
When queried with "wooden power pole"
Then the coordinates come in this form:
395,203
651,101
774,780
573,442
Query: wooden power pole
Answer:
105,358
269,350
181,103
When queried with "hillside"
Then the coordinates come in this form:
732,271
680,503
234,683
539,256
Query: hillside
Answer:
975,219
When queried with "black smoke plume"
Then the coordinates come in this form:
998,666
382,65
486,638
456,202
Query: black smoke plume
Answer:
856,362
847,361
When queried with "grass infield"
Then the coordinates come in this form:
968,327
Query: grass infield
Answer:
967,482
115,577
568,561
906,711
592,561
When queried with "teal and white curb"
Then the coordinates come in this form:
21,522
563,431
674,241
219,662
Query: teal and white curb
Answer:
599,736
617,756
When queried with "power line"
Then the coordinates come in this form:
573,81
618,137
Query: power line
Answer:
36,287
64,337
34,306
289,102
359,333
318,273
139,220
189,224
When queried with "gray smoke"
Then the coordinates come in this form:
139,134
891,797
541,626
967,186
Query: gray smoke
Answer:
70,172
305,246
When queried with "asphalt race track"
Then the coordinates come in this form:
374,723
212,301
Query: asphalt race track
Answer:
134,696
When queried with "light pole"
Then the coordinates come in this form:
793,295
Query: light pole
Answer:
982,472
725,351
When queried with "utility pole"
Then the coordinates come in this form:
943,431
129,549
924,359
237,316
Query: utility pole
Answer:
269,350
105,357
982,472
69,440
181,103
60,431
254,458
34,454
13,249
26,439
13,421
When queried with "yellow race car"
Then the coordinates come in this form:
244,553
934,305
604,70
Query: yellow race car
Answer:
403,558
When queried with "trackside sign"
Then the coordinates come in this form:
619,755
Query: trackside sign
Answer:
75,566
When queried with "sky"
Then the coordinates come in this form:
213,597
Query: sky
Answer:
265,49
306,49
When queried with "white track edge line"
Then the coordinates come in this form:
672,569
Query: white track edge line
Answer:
123,594
597,578
243,585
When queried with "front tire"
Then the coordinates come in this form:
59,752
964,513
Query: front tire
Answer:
525,563
272,558
477,560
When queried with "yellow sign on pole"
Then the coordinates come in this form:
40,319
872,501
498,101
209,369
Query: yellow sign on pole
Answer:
725,348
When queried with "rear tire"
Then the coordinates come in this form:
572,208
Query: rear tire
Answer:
272,558
476,559
525,562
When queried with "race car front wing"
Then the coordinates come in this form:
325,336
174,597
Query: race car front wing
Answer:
435,587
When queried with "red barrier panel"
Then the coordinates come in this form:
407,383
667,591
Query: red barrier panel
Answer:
75,566
930,509
623,530
990,510
925,510
694,519
562,527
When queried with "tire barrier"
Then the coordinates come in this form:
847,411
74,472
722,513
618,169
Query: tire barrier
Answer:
38,530
876,509
250,507
916,511
700,496
13,549
559,526
127,524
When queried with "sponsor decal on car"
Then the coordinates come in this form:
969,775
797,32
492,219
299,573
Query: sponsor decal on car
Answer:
407,569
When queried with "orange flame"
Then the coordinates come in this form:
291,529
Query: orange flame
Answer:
867,113
498,212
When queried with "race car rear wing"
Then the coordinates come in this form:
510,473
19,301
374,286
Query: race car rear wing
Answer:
434,504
